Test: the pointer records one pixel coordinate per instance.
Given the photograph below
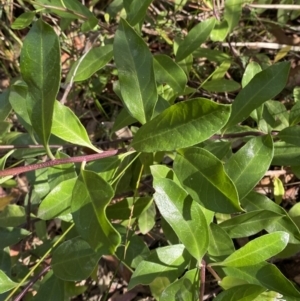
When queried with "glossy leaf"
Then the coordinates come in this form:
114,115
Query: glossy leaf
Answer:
266,275
10,236
257,250
250,163
167,71
40,68
90,198
94,60
196,36
245,292
290,135
146,220
6,284
221,85
257,201
204,177
136,10
58,201
67,126
74,260
51,288
186,288
264,86
183,124
220,243
250,223
168,262
184,216
135,70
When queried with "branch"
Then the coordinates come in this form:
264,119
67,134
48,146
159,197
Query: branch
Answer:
79,159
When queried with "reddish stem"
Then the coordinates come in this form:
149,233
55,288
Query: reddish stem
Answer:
79,159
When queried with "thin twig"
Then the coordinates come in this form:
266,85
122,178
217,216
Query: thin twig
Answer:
31,283
275,6
79,159
265,45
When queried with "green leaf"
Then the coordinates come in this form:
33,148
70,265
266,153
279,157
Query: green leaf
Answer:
131,251
220,243
74,260
278,190
220,31
167,71
266,275
250,223
250,163
146,220
245,292
106,167
204,177
128,207
167,262
290,135
68,127
232,13
184,216
40,68
24,20
196,36
257,201
122,120
5,283
186,288
183,124
5,106
221,85
12,216
212,55
276,115
17,99
257,250
91,62
294,116
286,154
51,288
10,236
264,85
136,75
60,173
136,10
90,198
251,70
74,10
58,201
